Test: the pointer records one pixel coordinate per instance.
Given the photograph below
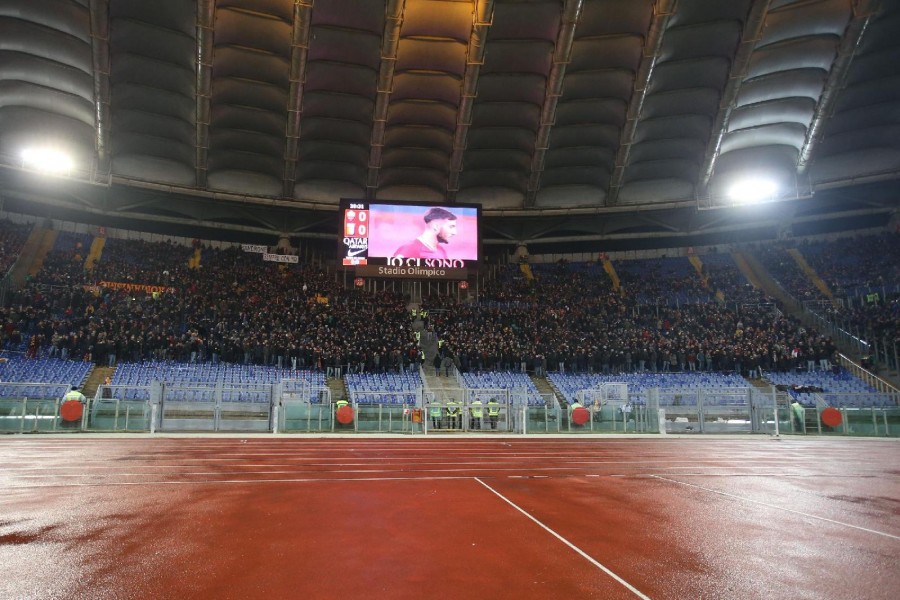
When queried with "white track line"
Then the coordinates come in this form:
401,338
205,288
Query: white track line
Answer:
776,507
234,481
581,552
104,463
273,470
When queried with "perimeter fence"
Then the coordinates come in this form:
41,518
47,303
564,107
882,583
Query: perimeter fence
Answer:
298,406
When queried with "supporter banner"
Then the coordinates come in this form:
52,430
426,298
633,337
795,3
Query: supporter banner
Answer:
136,287
411,272
253,248
281,258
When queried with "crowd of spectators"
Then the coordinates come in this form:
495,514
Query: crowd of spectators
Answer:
567,317
234,308
875,320
863,272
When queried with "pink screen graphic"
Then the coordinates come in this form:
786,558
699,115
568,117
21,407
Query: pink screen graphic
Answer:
392,226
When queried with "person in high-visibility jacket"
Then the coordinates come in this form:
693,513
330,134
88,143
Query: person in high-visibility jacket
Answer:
338,405
799,415
572,408
436,414
476,412
493,409
74,394
453,415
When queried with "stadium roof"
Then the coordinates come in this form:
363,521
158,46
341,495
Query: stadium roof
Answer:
565,120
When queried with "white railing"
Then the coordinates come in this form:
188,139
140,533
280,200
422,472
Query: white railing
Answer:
870,378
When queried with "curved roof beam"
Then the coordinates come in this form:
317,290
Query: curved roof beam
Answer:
299,50
652,49
481,24
863,11
390,41
562,55
753,28
100,51
205,21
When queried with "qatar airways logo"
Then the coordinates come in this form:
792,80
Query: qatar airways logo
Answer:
430,263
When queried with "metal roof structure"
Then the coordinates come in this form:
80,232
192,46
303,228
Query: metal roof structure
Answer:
564,119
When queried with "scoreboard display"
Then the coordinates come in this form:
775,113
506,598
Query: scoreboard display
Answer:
400,239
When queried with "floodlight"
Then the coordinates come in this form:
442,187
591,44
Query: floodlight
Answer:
47,160
751,190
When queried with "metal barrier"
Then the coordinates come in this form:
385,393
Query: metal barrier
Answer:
305,417
279,409
27,415
121,408
218,408
725,410
624,418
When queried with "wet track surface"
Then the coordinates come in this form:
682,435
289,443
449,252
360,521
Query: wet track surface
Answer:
448,518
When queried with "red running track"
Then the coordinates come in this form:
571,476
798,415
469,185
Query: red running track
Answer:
106,518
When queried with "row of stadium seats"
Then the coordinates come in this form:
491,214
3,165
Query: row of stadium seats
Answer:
505,380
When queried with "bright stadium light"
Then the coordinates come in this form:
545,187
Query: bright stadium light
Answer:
749,191
47,160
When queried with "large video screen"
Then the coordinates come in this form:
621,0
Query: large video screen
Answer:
408,235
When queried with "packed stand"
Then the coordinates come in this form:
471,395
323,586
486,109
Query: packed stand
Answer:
237,309
873,320
568,319
234,308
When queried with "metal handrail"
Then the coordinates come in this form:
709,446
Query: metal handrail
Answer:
870,378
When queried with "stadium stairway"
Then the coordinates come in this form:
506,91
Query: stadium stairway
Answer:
428,343
526,270
760,277
756,272
744,266
43,249
438,385
31,257
611,271
811,273
544,386
95,253
337,387
95,380
194,260
698,266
